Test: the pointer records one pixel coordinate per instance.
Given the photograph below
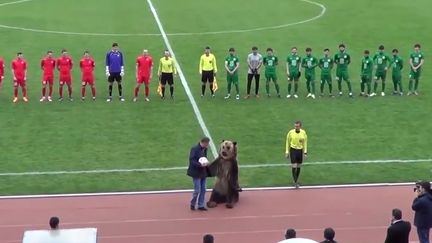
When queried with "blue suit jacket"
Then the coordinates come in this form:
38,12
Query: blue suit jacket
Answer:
196,170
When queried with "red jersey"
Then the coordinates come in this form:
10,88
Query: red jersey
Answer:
1,68
64,65
87,66
48,65
19,68
144,64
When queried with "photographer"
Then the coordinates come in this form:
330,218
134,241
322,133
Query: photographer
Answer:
422,205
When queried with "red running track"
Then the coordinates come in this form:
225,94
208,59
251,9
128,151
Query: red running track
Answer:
359,215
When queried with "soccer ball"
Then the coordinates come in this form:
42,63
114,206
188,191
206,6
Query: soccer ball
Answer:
203,161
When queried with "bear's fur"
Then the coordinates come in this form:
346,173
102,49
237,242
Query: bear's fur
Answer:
225,169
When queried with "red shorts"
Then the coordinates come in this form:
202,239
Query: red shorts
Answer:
19,82
48,79
143,79
65,79
87,80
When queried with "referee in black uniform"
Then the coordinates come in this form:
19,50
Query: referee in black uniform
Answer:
166,73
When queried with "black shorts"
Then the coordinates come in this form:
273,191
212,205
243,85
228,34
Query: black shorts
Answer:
167,78
296,156
207,76
114,77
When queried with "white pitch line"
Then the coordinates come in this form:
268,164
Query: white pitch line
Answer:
196,110
250,166
15,2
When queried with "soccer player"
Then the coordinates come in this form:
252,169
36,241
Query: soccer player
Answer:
382,62
367,65
293,71
166,73
207,70
87,65
397,66
114,70
270,63
144,70
342,60
231,66
416,62
326,65
296,149
19,72
64,66
309,63
255,61
2,66
48,64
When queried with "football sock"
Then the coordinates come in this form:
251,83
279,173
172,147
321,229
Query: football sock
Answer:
375,87
295,87
171,90
43,92
340,86
313,87
211,88
395,86
257,85
70,90
362,87
93,90
289,87
249,83
268,87
294,172
147,90
322,87
136,91
203,88
369,87
229,87
61,90
330,88
308,86
416,85
349,86
50,91
400,86
120,90
237,88
163,91
83,91
297,174
24,91
15,91
110,90
410,85
277,88
382,86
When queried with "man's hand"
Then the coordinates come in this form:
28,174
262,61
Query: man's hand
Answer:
200,72
305,155
122,73
287,155
2,77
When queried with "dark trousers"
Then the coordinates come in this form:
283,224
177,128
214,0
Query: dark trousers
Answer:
249,82
198,195
423,235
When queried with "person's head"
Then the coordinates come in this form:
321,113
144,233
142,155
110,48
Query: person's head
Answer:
231,51
423,187
366,53
294,50
86,54
204,142
396,214
20,55
167,54
329,234
208,238
342,47
395,52
308,51
49,53
297,126
326,52
115,47
54,222
145,52
207,50
255,50
270,51
290,234
64,52
381,48
417,47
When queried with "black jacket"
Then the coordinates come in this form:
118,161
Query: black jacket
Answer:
328,241
196,170
398,232
422,206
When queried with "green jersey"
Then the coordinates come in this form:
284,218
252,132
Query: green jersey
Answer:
382,61
231,61
270,63
397,65
342,60
367,66
294,62
416,58
309,63
326,64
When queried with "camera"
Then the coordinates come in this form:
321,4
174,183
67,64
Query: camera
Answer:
417,187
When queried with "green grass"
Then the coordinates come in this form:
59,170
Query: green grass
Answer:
85,136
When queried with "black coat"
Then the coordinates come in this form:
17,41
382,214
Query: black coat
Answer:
422,206
195,169
398,232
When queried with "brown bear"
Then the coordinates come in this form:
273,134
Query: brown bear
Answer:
225,169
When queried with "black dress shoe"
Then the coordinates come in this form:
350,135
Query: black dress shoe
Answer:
202,209
192,208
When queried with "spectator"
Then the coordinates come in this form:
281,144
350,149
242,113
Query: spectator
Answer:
208,238
422,205
399,230
290,234
329,235
54,223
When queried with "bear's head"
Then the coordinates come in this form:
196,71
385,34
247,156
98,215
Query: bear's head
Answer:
228,149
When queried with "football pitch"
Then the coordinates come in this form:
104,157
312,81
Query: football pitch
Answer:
94,136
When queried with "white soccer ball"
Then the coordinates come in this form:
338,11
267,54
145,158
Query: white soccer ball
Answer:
203,161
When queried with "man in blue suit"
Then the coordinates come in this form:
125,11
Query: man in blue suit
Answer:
422,205
198,172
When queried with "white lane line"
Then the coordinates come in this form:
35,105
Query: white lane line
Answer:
177,168
15,2
196,110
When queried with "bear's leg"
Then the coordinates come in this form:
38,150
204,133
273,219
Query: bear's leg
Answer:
232,198
215,199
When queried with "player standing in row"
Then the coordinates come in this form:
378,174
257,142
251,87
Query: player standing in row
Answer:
270,63
416,62
397,66
114,70
342,60
19,72
367,64
207,70
231,66
309,63
293,71
48,64
166,73
144,70
64,66
326,65
2,66
87,65
255,61
382,62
